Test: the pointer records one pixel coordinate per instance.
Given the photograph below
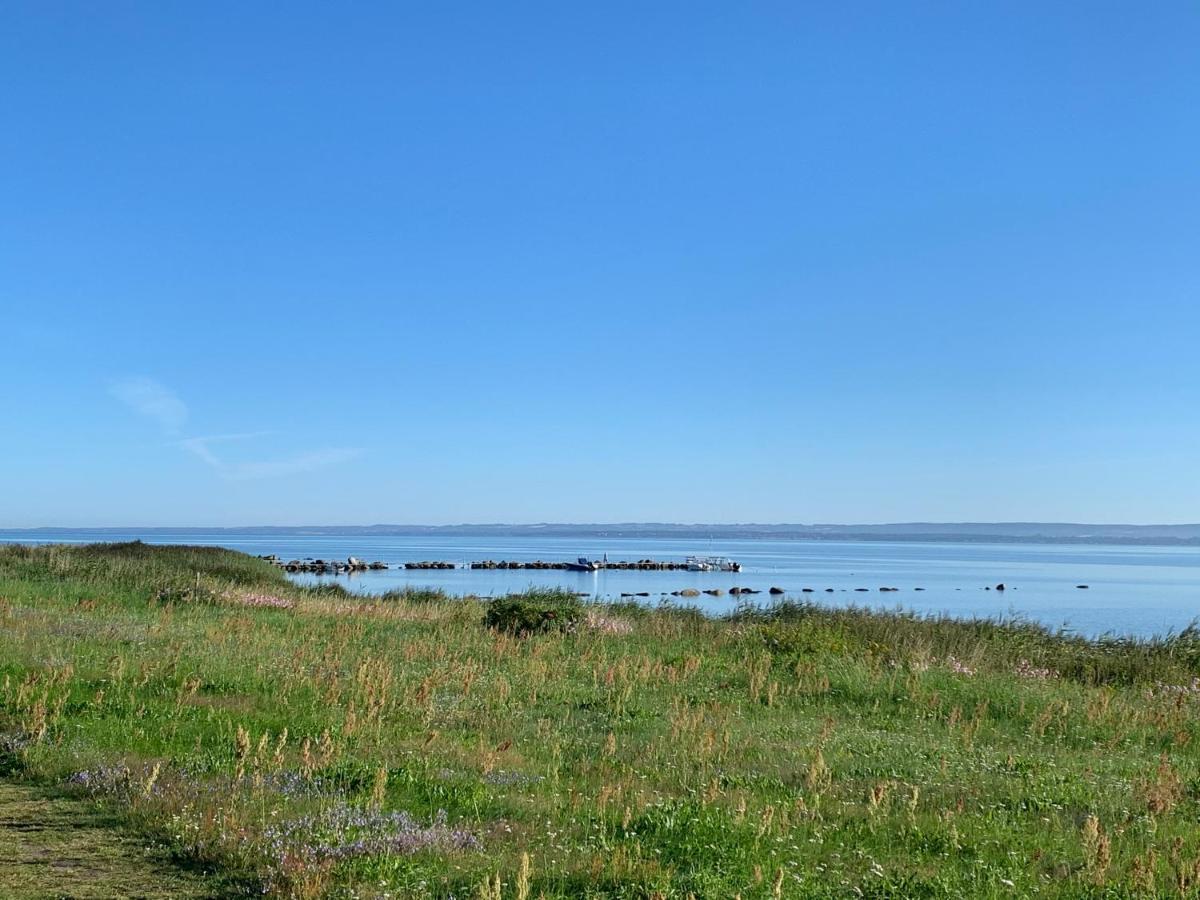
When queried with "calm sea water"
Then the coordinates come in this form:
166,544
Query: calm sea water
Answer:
1131,590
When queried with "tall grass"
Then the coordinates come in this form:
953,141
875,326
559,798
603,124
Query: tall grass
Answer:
1108,659
312,743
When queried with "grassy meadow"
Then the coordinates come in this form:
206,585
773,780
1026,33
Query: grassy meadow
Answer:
303,742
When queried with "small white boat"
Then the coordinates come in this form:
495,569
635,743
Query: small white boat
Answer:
712,564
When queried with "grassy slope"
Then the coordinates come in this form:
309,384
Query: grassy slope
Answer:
805,754
53,846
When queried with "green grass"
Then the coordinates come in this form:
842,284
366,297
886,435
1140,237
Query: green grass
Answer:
58,847
278,733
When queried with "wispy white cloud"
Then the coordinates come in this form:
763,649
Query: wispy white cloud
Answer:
153,400
222,438
295,465
198,446
269,468
147,397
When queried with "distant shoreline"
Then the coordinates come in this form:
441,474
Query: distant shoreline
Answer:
917,532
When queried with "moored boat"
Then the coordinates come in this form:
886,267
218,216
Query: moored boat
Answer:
583,564
712,564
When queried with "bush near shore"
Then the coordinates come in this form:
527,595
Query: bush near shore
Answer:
311,743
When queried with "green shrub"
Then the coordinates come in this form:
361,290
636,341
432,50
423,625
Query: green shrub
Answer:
805,638
537,611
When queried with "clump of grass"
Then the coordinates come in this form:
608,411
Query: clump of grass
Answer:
327,590
536,611
409,594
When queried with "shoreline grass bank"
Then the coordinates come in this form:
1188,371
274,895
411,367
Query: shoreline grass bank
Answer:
312,743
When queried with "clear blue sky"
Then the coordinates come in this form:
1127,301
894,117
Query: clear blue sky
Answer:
718,262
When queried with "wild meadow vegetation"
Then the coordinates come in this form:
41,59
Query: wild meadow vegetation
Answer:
308,743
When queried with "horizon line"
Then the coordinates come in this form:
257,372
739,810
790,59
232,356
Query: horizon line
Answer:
623,524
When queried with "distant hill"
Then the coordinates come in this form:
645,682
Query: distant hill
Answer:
1006,532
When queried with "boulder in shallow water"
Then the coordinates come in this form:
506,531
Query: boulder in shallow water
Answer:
689,592
776,590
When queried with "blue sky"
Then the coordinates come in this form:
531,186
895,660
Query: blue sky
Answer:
599,262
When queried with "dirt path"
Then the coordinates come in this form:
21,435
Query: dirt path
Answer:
60,848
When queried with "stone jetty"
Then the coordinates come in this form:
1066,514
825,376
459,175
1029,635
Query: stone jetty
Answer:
353,564
325,566
641,565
